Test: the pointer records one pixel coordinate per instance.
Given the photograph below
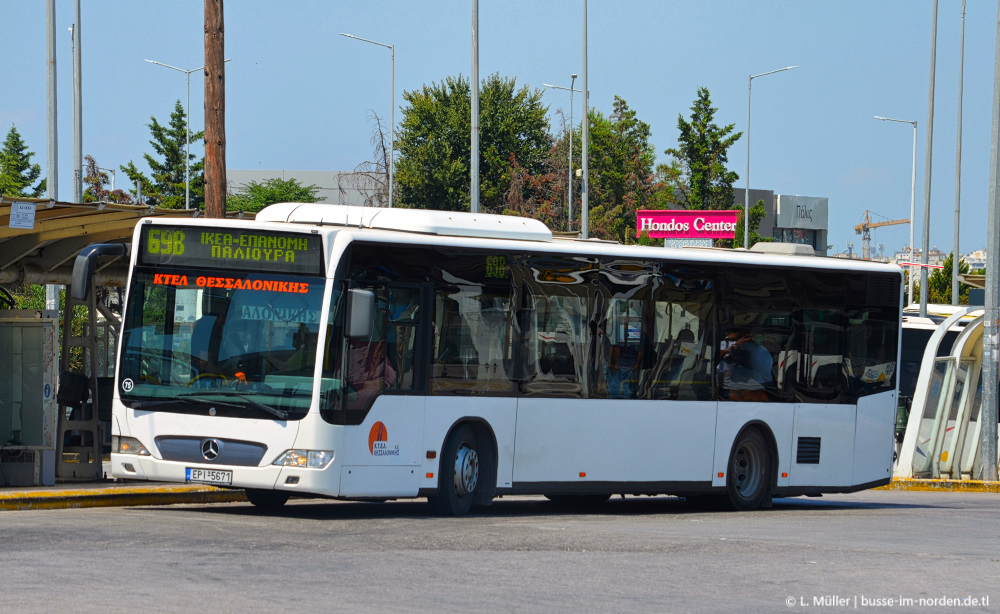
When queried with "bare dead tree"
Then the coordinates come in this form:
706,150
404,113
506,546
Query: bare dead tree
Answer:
370,178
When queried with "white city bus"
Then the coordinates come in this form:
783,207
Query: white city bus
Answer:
365,353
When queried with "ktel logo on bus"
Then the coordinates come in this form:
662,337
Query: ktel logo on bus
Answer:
377,441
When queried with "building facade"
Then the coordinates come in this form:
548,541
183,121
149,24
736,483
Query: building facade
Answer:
791,219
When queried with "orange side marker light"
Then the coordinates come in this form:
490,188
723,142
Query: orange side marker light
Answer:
583,474
722,475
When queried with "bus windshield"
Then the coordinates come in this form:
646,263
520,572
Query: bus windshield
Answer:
242,343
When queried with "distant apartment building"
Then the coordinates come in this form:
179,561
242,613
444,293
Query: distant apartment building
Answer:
935,257
976,259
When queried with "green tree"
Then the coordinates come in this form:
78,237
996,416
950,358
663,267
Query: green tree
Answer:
17,173
939,283
699,160
757,213
167,185
97,182
255,196
622,180
434,144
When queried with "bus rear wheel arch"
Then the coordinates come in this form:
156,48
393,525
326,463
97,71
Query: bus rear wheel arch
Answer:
750,476
467,471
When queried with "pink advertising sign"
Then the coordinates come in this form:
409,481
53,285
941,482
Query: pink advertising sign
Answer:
686,224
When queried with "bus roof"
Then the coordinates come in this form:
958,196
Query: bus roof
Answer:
422,221
423,226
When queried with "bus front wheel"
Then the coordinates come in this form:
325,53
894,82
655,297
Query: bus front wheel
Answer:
268,500
459,476
748,485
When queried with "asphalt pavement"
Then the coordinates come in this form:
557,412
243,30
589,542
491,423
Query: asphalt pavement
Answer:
120,493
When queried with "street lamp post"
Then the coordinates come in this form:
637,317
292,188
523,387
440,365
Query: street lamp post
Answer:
913,191
392,104
187,133
746,196
569,188
110,170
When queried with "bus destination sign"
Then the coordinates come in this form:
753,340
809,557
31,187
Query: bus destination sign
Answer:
231,248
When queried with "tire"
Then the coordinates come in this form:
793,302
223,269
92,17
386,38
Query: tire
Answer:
458,478
748,482
268,500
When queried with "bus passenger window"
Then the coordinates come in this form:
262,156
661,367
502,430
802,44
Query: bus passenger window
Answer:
404,308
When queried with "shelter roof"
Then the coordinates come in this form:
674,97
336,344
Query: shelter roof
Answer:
44,253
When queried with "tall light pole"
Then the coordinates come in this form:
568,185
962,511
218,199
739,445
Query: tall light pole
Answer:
928,160
569,188
392,104
474,114
187,125
110,170
585,153
913,191
958,164
746,196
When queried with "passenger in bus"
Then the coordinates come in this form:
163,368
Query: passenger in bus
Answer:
745,368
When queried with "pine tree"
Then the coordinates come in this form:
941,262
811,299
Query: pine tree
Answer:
701,155
17,173
167,186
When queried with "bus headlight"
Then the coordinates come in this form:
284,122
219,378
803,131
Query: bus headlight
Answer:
313,459
128,445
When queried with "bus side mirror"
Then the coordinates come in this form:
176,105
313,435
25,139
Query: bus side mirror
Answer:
360,313
86,262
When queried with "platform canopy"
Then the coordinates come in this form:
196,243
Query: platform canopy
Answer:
39,238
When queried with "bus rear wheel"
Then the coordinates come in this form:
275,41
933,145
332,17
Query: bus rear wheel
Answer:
748,485
459,476
268,500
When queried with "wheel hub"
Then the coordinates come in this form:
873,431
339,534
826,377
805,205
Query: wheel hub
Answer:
747,474
466,471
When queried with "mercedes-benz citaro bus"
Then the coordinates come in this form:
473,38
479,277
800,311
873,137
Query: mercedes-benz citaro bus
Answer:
373,354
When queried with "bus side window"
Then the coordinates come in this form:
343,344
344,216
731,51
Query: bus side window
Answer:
403,316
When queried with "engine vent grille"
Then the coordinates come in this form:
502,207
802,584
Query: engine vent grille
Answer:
808,451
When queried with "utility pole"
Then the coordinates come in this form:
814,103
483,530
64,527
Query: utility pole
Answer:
585,154
77,111
474,91
215,111
955,253
991,320
927,169
52,169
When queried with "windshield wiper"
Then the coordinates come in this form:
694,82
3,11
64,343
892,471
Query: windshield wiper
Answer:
154,404
274,411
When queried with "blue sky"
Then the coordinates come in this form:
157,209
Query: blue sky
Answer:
298,94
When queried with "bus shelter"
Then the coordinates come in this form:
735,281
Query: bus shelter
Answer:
52,408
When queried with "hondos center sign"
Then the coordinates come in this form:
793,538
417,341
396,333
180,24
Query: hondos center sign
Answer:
686,224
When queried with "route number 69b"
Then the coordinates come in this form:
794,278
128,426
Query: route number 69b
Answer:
166,242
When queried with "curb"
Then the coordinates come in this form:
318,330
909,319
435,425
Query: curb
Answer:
942,485
117,497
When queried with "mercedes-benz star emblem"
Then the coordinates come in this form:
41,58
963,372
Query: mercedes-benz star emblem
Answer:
210,449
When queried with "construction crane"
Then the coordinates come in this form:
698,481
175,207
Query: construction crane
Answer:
864,229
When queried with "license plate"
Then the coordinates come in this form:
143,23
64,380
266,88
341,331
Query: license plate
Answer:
209,476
